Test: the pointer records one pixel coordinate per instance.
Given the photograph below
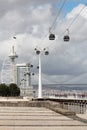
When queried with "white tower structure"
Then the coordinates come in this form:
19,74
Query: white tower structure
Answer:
29,87
6,71
39,52
28,74
24,79
13,56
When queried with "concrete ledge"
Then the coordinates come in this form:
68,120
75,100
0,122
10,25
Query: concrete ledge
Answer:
55,107
48,104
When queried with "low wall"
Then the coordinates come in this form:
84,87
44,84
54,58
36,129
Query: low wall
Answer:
48,104
56,107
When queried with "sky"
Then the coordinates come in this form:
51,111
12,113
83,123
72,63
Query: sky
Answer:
29,21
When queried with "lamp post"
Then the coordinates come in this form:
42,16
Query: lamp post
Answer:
22,83
39,52
28,88
28,74
40,79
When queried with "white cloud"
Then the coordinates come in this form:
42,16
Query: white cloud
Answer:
30,22
81,10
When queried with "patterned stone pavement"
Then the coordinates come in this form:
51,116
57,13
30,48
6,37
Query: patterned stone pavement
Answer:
36,118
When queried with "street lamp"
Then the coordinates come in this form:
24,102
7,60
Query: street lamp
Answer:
28,74
39,52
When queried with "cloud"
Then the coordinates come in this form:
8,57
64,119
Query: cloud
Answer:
81,9
29,21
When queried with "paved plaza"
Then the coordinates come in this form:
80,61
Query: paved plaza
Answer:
36,118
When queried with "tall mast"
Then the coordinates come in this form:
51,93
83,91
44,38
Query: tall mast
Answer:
13,56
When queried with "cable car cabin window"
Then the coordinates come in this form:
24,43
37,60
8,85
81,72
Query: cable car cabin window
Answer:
66,38
51,37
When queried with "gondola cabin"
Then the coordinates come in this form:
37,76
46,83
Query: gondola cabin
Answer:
37,67
46,52
33,74
37,52
31,66
66,38
51,37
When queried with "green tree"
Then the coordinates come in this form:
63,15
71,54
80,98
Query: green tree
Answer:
14,90
4,90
